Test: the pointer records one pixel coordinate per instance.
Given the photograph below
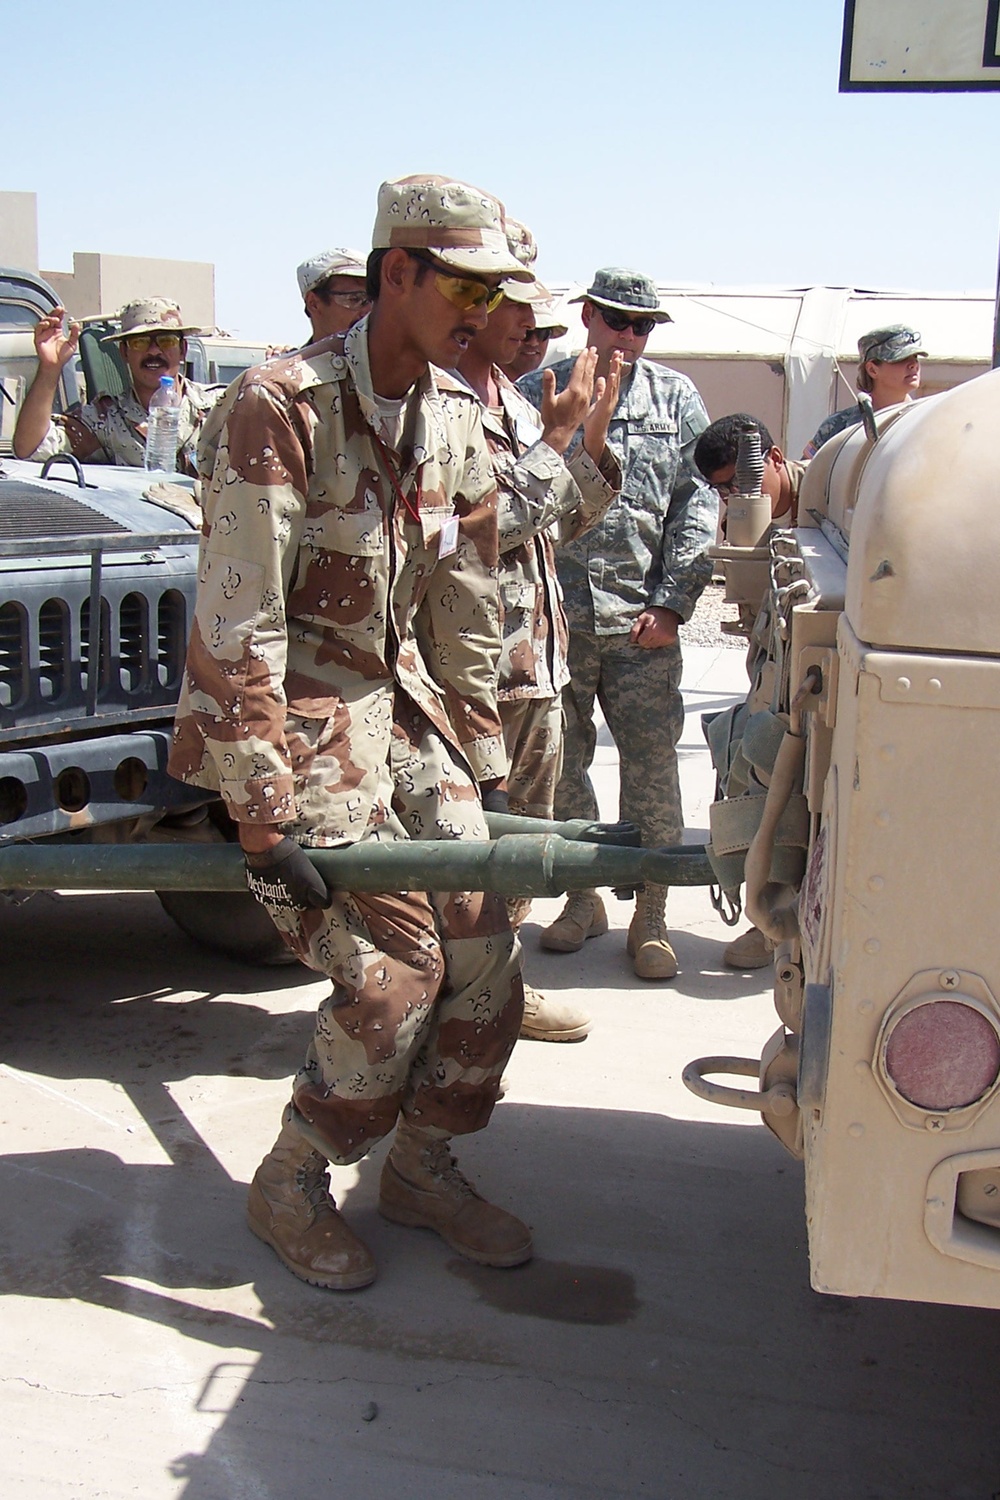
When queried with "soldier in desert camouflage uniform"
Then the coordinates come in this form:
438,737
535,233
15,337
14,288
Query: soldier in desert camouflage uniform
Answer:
333,289
341,687
112,429
628,584
541,499
533,348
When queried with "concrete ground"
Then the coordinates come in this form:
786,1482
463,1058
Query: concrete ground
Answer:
664,1342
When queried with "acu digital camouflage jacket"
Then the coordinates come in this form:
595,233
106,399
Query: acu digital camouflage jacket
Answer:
542,500
323,590
651,547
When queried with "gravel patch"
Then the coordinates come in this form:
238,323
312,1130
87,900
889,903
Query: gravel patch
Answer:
703,627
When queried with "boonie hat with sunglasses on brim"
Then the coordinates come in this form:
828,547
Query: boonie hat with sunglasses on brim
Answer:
459,225
150,315
626,292
319,268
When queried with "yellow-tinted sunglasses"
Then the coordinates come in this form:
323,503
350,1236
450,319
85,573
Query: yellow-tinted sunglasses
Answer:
463,292
140,342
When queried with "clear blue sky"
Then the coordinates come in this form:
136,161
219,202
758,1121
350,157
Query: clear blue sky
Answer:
696,142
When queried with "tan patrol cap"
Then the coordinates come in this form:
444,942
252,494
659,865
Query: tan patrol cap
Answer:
327,263
460,225
150,315
546,317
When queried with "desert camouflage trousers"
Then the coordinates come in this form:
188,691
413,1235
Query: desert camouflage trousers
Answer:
533,739
640,697
427,995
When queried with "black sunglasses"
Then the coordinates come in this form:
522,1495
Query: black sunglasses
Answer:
539,333
618,322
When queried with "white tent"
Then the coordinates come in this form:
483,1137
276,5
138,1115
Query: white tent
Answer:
789,354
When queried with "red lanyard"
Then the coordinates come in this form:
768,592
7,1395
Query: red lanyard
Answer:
390,468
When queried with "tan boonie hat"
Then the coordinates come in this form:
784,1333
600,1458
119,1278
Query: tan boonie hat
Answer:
459,225
150,315
521,242
327,263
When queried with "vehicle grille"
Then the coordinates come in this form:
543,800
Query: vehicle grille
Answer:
30,512
45,657
13,652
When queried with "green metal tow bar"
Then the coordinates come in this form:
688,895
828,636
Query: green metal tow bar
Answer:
525,857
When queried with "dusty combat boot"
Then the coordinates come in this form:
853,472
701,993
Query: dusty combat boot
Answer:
648,940
423,1188
582,917
752,950
545,1021
289,1207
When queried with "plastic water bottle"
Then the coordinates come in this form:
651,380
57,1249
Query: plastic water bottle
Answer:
162,428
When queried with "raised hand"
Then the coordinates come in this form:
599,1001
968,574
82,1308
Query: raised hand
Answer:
53,347
606,392
563,413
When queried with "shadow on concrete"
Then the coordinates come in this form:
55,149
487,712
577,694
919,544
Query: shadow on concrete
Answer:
664,1342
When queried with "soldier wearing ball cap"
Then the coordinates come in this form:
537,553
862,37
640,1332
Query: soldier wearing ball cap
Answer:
628,584
332,285
534,346
112,429
889,371
542,500
341,688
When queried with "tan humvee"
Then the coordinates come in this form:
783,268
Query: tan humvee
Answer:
875,864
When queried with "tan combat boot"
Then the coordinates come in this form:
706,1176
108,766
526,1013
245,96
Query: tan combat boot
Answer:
752,950
545,1021
582,917
648,940
423,1188
289,1207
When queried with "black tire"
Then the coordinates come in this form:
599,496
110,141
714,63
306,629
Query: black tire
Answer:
230,922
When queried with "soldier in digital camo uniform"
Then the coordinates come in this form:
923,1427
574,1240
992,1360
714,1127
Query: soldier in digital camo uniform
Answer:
112,429
341,687
888,370
628,583
541,500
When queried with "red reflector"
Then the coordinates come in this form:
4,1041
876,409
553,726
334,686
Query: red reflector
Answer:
943,1055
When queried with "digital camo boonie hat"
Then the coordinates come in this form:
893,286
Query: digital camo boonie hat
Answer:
624,291
890,345
319,268
150,315
459,225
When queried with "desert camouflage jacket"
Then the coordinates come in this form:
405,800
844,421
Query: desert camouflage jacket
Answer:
541,501
115,422
326,588
651,547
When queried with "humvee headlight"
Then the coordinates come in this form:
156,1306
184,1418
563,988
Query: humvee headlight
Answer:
941,1053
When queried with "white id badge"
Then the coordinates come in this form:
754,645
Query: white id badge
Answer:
448,542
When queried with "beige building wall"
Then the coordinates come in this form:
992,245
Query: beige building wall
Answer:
19,231
100,285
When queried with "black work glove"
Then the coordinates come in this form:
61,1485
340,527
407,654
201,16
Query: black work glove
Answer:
495,800
286,878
